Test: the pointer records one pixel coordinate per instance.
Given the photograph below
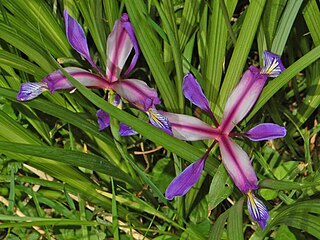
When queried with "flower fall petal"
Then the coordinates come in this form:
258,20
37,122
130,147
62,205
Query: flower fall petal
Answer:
258,211
103,119
31,90
272,64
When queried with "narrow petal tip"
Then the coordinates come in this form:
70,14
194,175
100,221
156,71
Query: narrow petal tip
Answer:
272,64
125,130
257,210
266,131
184,182
31,90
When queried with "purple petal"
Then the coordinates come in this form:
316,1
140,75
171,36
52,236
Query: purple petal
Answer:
190,128
159,121
137,92
193,92
238,165
242,98
103,119
125,130
31,90
183,182
77,39
58,81
258,211
265,131
120,43
272,64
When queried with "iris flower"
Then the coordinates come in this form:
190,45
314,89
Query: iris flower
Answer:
120,44
234,158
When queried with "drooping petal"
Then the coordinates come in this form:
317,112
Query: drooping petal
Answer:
125,130
103,119
238,165
242,98
258,211
190,128
31,90
58,81
265,131
137,92
272,64
183,182
120,43
193,92
159,120
77,39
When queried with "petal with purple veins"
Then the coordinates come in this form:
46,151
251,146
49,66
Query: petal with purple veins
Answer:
190,128
265,131
183,182
103,119
257,210
242,98
125,130
272,64
77,39
238,164
159,120
31,90
58,81
137,92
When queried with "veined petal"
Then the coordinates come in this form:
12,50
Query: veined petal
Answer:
58,81
193,92
103,119
238,165
137,92
120,43
31,90
258,211
242,98
183,182
265,131
125,130
77,39
190,128
272,64
159,120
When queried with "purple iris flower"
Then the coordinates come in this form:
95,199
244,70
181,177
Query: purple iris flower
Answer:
234,158
120,44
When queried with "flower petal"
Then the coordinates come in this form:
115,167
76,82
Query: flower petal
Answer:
265,131
242,98
272,64
183,182
120,43
77,39
125,130
258,211
31,90
58,81
103,119
137,92
238,165
190,128
193,92
159,121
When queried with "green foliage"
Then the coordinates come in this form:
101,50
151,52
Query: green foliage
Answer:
62,178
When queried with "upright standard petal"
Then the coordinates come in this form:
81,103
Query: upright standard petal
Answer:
120,43
258,211
193,92
159,121
272,64
242,98
183,182
238,165
125,130
77,39
58,81
103,119
137,92
31,90
190,128
265,131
